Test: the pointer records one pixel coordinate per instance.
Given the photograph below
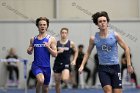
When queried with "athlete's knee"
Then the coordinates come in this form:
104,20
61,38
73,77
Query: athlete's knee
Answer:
65,79
57,81
40,81
107,89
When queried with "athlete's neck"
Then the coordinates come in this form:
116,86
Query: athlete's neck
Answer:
64,41
104,33
42,35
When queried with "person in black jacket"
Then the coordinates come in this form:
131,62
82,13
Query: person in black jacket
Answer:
78,63
95,69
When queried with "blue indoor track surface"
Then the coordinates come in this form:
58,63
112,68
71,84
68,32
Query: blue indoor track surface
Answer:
90,90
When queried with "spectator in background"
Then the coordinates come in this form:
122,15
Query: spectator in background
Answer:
12,66
78,63
133,76
95,69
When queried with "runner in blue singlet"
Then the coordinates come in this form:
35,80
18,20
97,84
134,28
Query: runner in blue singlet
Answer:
106,41
43,45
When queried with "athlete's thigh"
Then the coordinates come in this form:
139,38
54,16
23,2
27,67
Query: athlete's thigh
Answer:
38,73
57,68
47,75
116,78
104,78
65,74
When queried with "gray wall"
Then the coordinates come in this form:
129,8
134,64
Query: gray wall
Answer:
67,9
